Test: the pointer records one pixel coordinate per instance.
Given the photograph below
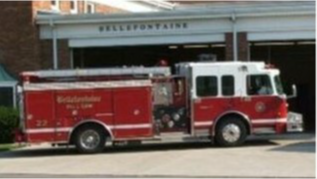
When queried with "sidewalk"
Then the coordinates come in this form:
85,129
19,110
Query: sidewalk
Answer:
287,156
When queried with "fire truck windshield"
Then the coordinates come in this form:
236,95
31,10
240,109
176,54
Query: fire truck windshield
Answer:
278,84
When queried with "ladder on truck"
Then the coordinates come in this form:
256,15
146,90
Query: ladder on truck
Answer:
148,71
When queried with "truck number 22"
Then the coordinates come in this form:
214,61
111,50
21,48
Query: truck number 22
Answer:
41,123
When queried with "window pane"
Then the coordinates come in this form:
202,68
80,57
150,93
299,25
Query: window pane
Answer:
206,86
72,5
90,8
227,85
278,84
6,96
259,85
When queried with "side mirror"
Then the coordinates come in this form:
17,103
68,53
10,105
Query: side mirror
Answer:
294,92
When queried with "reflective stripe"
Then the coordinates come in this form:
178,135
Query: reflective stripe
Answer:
48,130
131,126
64,129
68,129
104,114
43,130
205,123
140,126
269,121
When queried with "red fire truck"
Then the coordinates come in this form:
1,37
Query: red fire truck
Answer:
222,101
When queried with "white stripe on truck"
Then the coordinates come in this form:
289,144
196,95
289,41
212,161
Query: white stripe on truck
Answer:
68,129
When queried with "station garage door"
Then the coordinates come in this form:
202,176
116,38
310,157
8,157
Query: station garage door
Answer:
297,64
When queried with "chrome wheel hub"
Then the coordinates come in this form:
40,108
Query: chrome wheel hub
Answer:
89,139
231,133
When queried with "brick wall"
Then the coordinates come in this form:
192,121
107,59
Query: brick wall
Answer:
243,46
17,36
229,46
20,46
46,54
81,6
40,5
106,9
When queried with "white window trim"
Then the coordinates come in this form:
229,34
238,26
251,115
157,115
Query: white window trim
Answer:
56,6
75,10
93,8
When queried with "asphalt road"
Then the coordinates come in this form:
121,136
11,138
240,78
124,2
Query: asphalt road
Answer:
283,156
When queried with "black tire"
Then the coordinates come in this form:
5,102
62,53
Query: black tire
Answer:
83,138
227,134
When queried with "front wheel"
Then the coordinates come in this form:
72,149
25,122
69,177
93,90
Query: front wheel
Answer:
231,132
90,140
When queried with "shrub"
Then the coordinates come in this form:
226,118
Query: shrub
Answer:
9,121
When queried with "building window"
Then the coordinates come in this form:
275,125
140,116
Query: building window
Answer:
227,85
6,96
55,5
74,6
207,86
90,8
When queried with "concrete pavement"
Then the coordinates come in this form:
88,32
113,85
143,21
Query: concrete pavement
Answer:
39,176
283,156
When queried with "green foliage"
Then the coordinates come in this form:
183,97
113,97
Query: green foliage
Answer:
9,121
6,147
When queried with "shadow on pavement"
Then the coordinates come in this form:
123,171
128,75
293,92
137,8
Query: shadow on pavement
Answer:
308,147
286,136
61,151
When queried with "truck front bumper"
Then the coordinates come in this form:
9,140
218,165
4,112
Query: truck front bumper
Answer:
294,122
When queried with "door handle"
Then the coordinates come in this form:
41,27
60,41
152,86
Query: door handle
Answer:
246,99
205,107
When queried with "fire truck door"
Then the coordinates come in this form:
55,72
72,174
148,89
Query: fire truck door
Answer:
133,112
39,116
205,100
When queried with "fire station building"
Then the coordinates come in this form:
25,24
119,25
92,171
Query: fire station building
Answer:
280,33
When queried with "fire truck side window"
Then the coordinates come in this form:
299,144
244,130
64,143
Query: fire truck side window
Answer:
259,85
227,85
207,86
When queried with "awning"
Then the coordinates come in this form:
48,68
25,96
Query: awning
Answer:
5,78
8,98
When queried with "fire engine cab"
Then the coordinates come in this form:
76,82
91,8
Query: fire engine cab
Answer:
221,101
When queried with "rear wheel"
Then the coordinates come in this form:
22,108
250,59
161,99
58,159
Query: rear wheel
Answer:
90,139
231,132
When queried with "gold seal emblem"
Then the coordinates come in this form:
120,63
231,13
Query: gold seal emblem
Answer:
260,107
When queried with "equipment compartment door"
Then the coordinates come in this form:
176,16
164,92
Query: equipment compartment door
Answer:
72,106
39,116
133,112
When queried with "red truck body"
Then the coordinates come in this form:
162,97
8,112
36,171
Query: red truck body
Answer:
84,107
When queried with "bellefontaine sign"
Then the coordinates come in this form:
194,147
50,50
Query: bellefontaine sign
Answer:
142,27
